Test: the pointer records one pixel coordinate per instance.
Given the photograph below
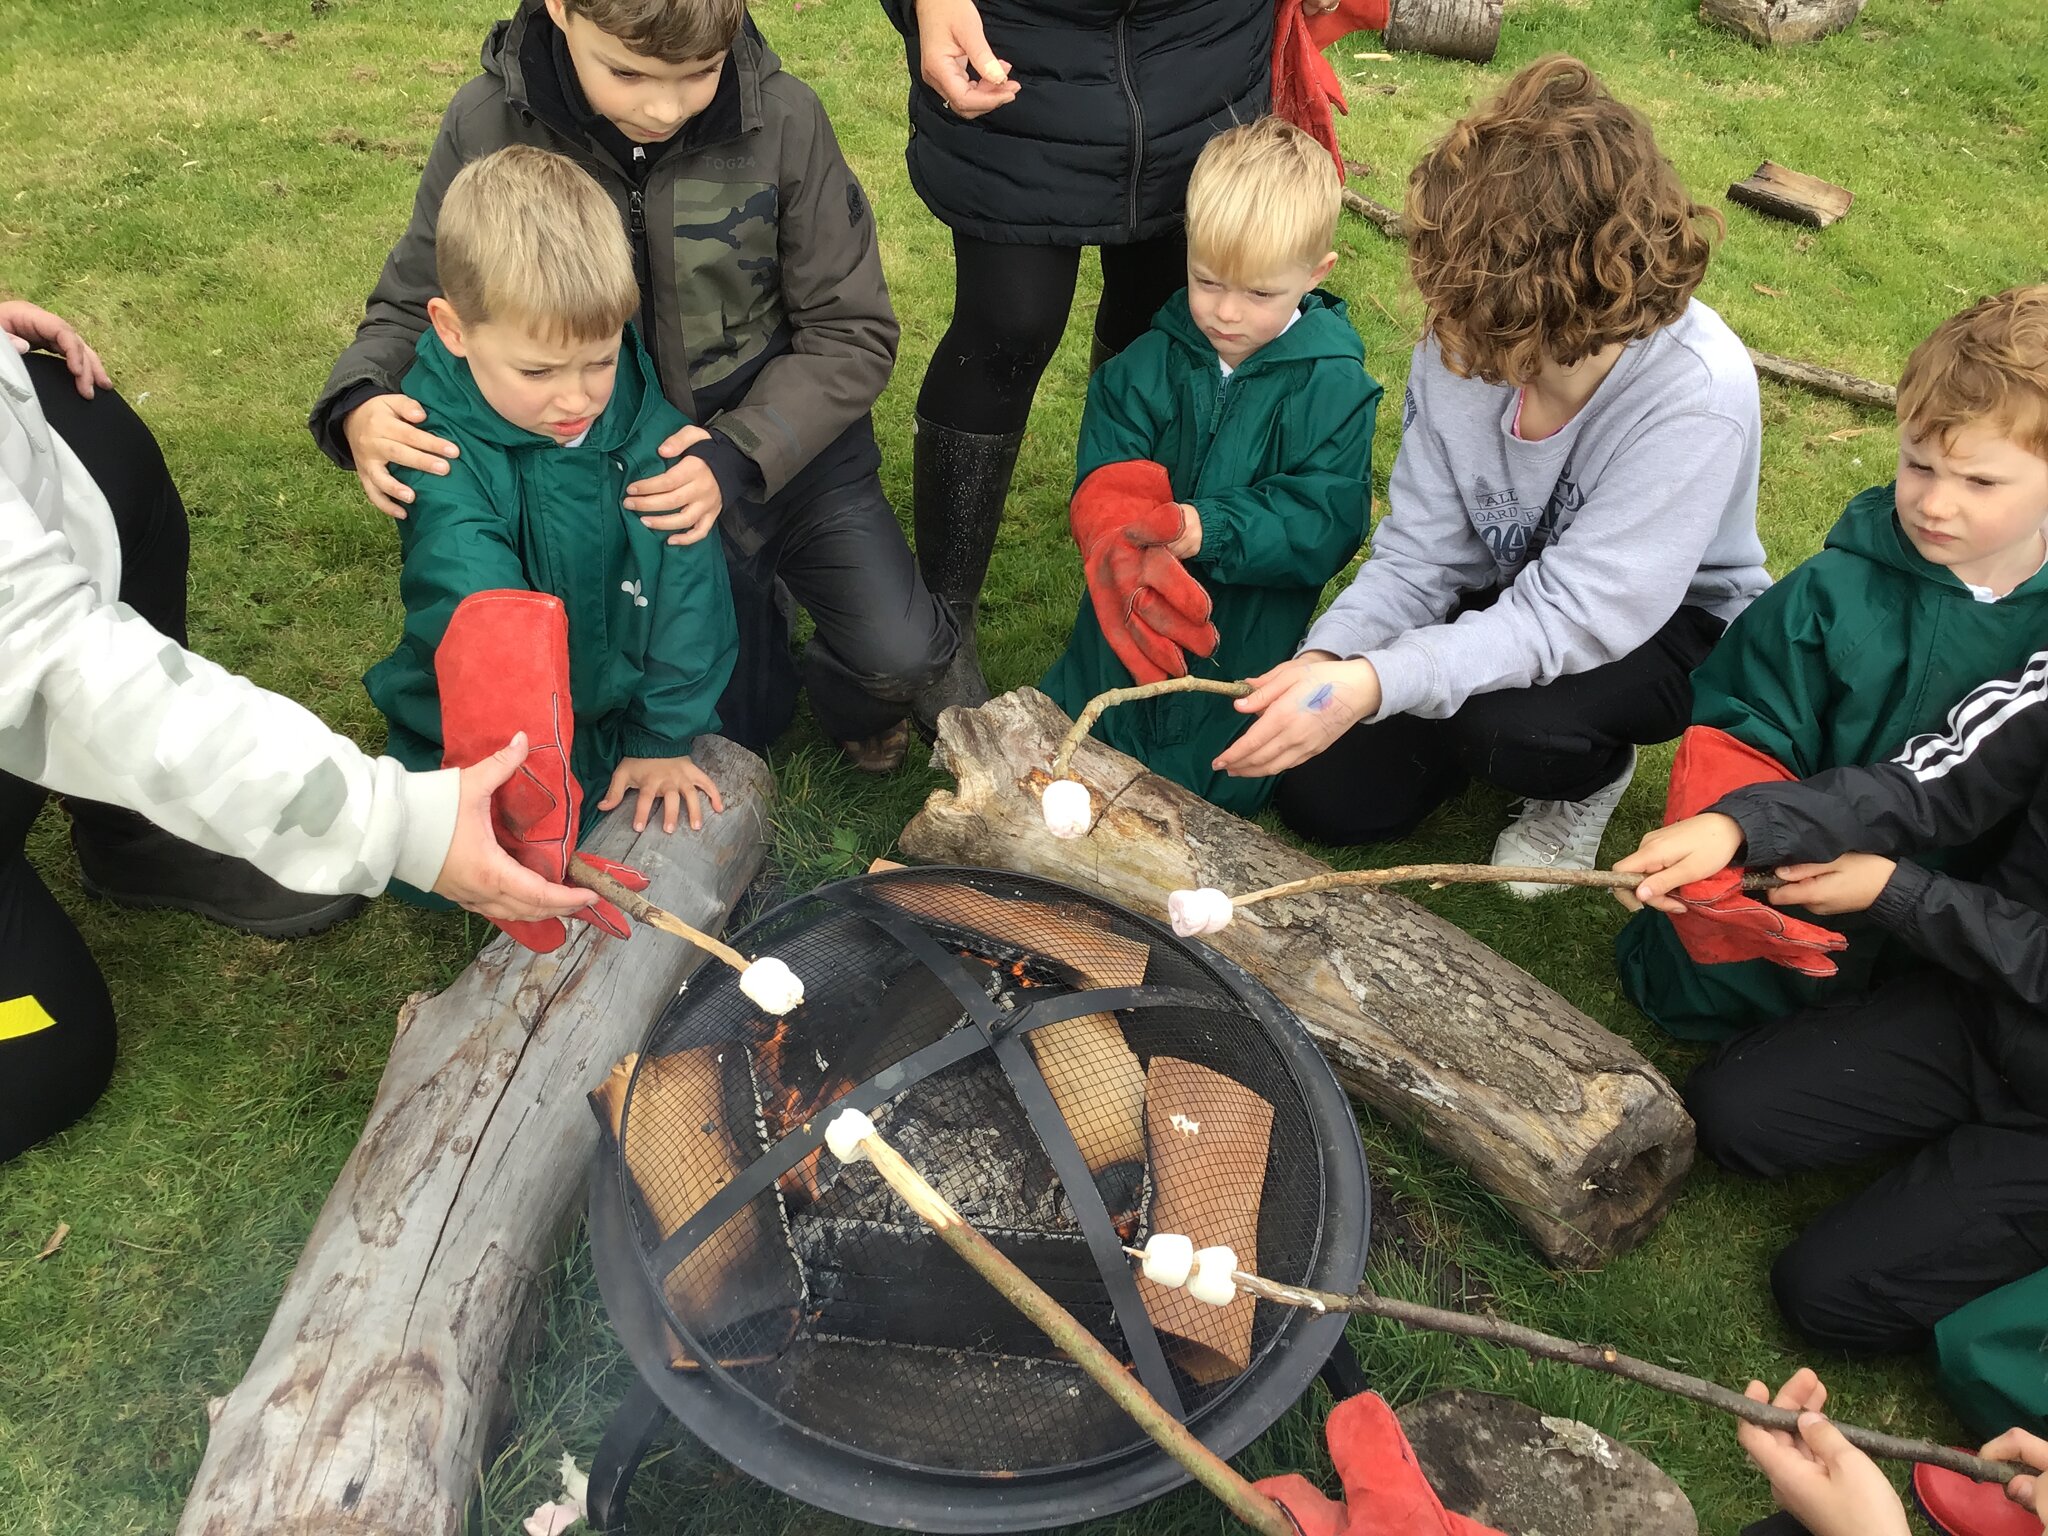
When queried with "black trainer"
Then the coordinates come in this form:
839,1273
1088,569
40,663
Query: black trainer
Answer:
126,860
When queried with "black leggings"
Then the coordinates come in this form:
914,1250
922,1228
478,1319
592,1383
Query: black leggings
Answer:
1010,308
56,1017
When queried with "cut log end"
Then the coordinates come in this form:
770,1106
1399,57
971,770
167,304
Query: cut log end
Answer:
1449,29
1778,23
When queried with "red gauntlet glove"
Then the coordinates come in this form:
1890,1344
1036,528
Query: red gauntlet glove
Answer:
503,667
1720,923
1150,609
1305,87
1385,1493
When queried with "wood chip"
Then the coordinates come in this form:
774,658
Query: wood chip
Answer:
56,1240
1846,433
1378,58
271,40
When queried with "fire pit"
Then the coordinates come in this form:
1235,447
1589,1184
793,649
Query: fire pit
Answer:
1072,1078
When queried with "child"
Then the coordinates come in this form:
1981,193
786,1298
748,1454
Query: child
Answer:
1234,436
763,306
532,371
1947,1066
1926,587
1572,514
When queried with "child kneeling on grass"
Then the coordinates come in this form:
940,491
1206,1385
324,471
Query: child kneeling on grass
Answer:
1572,516
1225,464
1926,587
1946,1066
531,369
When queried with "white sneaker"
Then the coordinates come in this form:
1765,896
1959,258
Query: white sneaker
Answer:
1560,834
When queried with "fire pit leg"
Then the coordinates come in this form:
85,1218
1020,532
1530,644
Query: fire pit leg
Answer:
1342,1373
626,1439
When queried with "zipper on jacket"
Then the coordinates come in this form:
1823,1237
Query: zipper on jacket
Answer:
1123,74
643,267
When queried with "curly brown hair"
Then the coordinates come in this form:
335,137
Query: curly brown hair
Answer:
1546,225
1986,367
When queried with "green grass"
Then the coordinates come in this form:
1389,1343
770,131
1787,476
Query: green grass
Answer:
211,209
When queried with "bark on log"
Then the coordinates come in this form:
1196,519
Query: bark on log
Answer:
1775,23
384,1374
1581,1137
1450,29
1784,193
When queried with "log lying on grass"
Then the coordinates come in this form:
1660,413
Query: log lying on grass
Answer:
384,1375
1581,1137
1775,23
1450,29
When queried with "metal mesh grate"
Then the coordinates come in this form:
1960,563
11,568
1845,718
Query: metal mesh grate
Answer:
999,1029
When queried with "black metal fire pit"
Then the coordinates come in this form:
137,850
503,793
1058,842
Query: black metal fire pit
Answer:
1072,1078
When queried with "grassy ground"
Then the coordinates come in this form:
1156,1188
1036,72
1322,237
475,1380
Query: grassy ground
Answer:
208,186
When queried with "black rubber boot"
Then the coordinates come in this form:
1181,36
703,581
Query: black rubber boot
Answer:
131,862
960,481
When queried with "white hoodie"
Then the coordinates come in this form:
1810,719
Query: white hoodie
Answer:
97,703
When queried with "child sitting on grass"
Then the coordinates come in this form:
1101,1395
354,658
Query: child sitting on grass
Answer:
531,369
1571,520
1927,586
1225,464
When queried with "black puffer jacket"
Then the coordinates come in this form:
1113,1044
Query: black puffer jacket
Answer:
1118,98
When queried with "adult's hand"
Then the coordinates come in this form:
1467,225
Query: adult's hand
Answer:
480,875
385,430
955,60
1303,705
29,327
1816,1475
683,501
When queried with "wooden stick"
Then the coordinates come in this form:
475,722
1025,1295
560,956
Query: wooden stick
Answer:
1092,710
1079,1345
1472,874
638,907
1388,219
1598,1357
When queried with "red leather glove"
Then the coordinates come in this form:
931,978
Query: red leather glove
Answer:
1305,87
1123,515
503,667
1385,1493
1720,923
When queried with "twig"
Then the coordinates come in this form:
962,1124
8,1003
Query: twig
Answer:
1597,1357
1388,219
1079,1345
634,905
1471,874
1092,710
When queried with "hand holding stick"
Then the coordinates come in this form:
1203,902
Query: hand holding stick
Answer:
1092,710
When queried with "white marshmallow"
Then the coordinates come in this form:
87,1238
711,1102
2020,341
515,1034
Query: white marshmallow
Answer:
1068,810
773,986
846,1132
1169,1259
1212,1281
1197,912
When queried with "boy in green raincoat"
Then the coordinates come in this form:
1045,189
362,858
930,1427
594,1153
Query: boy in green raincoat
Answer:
1225,463
532,371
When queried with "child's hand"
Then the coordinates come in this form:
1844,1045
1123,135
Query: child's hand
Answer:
2018,1445
1677,855
1188,543
1817,1476
385,430
1848,884
686,494
31,326
1303,705
674,781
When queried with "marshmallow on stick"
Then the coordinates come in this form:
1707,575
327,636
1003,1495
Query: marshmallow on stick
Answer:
768,983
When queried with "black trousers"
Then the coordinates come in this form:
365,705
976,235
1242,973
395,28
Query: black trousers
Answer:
879,635
1010,308
53,1072
1562,740
1902,1070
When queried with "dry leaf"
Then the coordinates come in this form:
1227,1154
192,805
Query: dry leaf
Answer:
56,1240
1846,433
1803,244
1768,291
437,67
364,74
271,40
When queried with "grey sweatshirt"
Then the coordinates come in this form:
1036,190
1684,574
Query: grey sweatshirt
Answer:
1644,502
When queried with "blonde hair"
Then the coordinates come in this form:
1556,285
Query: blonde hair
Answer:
528,236
673,31
1987,366
1263,195
1547,225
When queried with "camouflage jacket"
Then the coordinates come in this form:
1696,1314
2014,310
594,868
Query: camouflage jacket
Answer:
95,702
757,247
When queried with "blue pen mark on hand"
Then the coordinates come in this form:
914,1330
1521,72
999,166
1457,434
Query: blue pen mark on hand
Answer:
1319,701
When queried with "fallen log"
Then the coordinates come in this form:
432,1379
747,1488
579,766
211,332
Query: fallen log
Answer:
1783,193
1775,23
384,1375
1450,29
1583,1140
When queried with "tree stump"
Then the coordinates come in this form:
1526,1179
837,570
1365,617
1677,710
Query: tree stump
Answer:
1582,1138
1450,29
1507,1466
384,1374
1775,23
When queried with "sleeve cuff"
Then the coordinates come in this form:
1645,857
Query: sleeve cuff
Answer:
739,477
1408,680
642,743
1902,896
430,801
329,414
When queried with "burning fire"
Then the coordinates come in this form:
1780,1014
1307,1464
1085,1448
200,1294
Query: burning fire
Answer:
787,1103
